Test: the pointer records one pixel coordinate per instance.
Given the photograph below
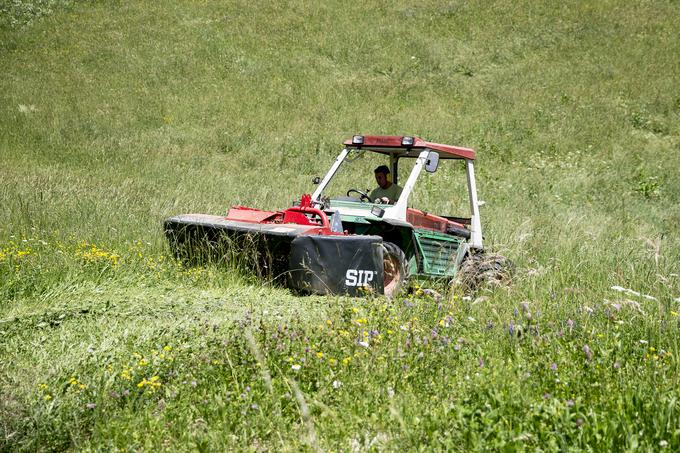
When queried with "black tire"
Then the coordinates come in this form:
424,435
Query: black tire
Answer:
395,269
480,269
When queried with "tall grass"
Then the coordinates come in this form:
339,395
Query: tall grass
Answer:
114,116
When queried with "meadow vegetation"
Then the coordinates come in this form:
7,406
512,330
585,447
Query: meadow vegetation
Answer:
115,115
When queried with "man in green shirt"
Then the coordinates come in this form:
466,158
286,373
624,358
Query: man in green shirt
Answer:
386,191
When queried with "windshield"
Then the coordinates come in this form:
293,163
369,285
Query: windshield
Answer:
357,173
444,192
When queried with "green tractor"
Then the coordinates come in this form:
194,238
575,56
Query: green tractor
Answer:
349,240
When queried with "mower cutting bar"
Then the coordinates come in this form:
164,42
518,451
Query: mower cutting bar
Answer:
220,223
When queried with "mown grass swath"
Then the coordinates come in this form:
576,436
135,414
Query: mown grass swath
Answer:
115,116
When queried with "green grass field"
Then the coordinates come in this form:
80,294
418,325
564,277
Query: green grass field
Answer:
115,115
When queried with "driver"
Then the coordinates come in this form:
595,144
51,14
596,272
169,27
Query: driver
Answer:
387,192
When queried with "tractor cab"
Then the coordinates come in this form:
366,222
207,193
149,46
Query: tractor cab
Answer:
346,188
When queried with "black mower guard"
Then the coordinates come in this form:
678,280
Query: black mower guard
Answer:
321,264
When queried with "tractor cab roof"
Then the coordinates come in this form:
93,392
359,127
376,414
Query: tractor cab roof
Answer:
406,146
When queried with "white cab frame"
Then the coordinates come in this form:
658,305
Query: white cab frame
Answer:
398,210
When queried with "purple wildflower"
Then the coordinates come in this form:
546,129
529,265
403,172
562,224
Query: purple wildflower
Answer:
587,352
570,403
553,366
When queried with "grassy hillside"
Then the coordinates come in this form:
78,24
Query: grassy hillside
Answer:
115,115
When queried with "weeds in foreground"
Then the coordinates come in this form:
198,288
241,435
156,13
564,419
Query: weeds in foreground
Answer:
394,374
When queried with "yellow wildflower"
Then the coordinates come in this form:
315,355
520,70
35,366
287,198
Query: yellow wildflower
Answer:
151,384
125,374
22,253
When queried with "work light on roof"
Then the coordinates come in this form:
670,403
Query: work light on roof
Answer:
358,140
406,141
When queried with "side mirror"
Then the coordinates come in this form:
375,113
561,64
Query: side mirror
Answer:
316,180
432,162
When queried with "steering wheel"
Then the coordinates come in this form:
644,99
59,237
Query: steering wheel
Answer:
362,195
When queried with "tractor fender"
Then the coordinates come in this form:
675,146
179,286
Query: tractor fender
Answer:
350,264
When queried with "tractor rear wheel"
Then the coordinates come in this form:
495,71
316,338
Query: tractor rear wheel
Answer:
480,269
395,269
